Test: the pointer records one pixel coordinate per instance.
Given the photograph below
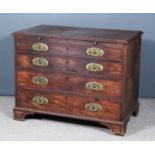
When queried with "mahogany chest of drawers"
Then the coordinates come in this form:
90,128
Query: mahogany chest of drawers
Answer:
81,73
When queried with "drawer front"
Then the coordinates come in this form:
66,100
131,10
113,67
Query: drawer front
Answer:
69,104
70,83
74,65
85,50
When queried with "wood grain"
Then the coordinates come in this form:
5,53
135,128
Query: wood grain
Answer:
111,51
67,64
63,103
79,33
67,74
69,82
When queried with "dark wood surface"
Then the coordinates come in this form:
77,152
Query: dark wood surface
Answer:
67,74
131,76
69,104
70,82
69,64
76,33
111,51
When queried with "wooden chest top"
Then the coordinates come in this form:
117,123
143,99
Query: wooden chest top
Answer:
76,33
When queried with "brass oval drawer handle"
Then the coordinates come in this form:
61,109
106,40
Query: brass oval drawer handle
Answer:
40,47
40,62
95,52
40,100
94,86
40,80
94,67
93,107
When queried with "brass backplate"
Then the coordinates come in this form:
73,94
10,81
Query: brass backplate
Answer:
94,67
94,86
40,100
95,52
40,80
93,107
40,47
40,62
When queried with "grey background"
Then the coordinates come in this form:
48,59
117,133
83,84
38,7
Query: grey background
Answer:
144,22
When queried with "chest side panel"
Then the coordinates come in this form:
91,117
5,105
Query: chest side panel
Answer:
131,76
